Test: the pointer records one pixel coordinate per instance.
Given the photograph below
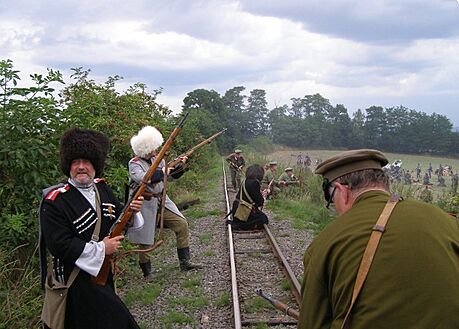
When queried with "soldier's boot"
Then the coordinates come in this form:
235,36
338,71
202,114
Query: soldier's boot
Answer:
146,270
184,259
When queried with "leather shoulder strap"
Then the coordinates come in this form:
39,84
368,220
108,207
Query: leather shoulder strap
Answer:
245,192
369,254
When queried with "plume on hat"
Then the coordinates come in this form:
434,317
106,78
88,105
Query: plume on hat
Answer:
77,143
147,140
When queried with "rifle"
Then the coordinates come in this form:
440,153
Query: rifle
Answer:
177,160
279,305
126,215
267,190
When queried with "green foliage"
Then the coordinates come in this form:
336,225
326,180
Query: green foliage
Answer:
20,293
223,300
256,304
145,294
173,317
205,238
190,302
405,191
192,281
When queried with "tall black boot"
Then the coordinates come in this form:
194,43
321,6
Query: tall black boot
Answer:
184,259
146,270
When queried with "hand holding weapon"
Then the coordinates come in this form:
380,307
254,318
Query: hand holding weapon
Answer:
127,213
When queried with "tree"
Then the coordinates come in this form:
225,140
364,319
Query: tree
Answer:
257,113
234,103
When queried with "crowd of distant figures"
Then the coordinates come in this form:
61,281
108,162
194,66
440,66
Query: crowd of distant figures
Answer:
428,177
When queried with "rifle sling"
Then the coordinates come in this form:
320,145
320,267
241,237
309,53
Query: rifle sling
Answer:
243,189
369,254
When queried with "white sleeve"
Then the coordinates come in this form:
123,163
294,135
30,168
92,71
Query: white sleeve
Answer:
92,257
138,222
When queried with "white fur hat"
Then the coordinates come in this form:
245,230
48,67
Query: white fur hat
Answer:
146,141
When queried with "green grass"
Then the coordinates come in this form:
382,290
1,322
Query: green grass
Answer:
173,317
192,282
286,284
257,304
223,300
190,302
200,212
262,326
145,294
205,238
209,253
303,215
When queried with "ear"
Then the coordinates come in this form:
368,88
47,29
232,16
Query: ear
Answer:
344,192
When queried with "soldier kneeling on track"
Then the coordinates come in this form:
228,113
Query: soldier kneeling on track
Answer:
250,193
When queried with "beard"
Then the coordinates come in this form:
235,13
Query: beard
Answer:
83,179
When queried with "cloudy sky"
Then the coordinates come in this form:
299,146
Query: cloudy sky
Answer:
353,52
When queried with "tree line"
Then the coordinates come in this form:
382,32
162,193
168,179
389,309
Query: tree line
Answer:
311,122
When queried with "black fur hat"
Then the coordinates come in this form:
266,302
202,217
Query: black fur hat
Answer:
87,144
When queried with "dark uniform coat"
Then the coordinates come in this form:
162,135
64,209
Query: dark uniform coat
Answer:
67,222
257,217
412,283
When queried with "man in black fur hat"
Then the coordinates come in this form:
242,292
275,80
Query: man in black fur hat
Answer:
68,219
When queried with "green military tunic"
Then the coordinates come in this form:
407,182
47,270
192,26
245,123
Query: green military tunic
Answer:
286,178
413,281
267,179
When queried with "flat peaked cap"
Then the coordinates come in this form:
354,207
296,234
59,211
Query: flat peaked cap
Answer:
237,151
351,161
288,169
273,163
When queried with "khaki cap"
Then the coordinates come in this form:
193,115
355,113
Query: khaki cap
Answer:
288,169
237,151
273,163
351,161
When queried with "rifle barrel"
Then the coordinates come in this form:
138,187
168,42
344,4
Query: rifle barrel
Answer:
279,305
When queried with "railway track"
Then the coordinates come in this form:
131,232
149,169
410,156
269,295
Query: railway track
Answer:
256,262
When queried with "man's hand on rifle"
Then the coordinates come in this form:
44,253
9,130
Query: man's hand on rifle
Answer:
183,159
136,205
112,244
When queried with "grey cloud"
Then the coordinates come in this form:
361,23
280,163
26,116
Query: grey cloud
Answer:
368,21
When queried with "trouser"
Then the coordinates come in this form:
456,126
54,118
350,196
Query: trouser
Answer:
235,178
180,227
144,257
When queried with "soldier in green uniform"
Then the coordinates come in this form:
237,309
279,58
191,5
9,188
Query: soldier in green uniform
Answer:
426,195
269,184
454,181
236,163
288,178
413,281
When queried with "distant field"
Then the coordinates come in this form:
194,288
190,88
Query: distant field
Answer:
288,158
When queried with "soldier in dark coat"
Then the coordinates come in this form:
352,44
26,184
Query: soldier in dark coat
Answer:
426,178
413,281
257,217
68,218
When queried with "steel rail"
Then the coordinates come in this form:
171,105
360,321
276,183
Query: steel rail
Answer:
294,284
234,290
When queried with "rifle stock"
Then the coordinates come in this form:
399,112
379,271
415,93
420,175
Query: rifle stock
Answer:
177,160
126,215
